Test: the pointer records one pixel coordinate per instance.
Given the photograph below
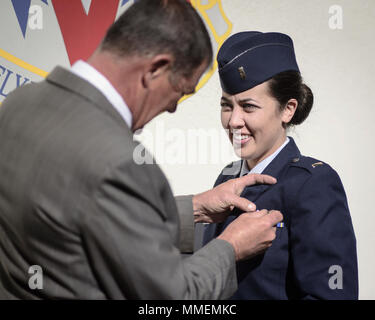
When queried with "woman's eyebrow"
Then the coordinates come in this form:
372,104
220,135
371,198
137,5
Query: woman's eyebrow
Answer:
240,101
225,99
248,100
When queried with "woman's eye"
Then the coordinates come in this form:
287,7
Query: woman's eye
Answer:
226,106
249,107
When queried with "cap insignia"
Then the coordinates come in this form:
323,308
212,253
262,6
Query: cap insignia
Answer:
242,72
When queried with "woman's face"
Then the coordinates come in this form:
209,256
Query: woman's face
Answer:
254,123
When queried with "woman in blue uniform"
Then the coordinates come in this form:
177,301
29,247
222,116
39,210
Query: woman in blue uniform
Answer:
314,253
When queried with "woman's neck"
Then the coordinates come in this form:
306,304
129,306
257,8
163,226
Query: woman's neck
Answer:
251,163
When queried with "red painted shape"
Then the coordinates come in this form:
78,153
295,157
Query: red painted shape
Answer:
82,33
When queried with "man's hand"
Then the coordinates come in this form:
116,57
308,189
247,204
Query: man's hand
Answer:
214,205
251,233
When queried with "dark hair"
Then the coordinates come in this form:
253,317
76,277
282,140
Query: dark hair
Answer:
288,85
151,27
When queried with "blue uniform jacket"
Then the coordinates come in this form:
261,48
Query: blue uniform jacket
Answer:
314,253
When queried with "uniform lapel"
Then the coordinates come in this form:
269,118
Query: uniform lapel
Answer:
211,230
275,169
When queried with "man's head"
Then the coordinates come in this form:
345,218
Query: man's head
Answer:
151,27
161,48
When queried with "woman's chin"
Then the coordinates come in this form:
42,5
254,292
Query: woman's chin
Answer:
241,153
241,150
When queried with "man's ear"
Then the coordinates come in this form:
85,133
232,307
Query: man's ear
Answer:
156,67
289,111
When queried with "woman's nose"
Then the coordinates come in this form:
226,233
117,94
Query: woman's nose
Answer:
236,120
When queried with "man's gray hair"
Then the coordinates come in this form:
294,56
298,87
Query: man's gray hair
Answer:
151,27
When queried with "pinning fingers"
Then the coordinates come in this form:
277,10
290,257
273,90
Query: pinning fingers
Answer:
275,217
256,178
242,203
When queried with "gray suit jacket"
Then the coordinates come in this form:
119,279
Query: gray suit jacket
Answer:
74,202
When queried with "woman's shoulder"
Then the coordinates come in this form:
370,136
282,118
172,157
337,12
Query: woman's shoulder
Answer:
310,184
312,166
307,173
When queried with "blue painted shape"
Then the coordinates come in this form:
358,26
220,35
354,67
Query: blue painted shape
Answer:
21,8
124,2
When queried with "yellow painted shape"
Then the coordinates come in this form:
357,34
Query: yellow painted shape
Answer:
22,64
218,38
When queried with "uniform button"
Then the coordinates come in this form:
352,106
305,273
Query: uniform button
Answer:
295,160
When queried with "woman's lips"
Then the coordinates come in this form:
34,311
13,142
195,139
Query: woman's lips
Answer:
241,139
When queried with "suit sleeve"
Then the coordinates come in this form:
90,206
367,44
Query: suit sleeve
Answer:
185,211
323,244
130,244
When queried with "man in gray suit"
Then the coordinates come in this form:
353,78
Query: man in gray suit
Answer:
77,209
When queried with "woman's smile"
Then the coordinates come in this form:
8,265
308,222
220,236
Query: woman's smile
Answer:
240,139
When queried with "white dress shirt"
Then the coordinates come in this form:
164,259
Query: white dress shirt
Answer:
93,76
259,168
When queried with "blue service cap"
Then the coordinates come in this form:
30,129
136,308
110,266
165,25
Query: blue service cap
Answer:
247,59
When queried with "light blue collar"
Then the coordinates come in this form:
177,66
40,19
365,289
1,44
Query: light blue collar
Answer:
259,168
